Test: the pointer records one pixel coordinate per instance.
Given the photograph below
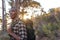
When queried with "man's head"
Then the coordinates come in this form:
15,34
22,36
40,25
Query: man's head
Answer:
13,13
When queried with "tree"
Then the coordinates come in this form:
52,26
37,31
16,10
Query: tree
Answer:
11,3
24,3
34,4
0,20
18,4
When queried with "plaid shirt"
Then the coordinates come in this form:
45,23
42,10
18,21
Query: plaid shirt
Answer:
19,29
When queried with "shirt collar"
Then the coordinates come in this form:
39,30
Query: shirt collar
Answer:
16,19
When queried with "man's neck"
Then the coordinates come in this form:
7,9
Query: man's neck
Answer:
16,18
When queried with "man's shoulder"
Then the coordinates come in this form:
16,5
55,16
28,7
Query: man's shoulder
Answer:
21,22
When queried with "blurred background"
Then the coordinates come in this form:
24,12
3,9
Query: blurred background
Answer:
44,14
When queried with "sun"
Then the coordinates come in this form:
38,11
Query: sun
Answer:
27,16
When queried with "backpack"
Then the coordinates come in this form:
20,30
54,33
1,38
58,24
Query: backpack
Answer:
30,30
30,33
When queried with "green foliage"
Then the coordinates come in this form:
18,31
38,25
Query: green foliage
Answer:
0,20
48,24
4,35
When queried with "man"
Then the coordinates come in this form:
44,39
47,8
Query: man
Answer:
17,30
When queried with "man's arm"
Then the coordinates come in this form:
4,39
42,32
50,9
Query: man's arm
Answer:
13,34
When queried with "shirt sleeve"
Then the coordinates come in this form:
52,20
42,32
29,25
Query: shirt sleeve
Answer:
22,31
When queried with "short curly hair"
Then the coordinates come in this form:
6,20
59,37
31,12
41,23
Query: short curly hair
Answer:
13,9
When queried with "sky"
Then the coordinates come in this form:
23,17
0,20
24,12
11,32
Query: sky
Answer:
46,4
